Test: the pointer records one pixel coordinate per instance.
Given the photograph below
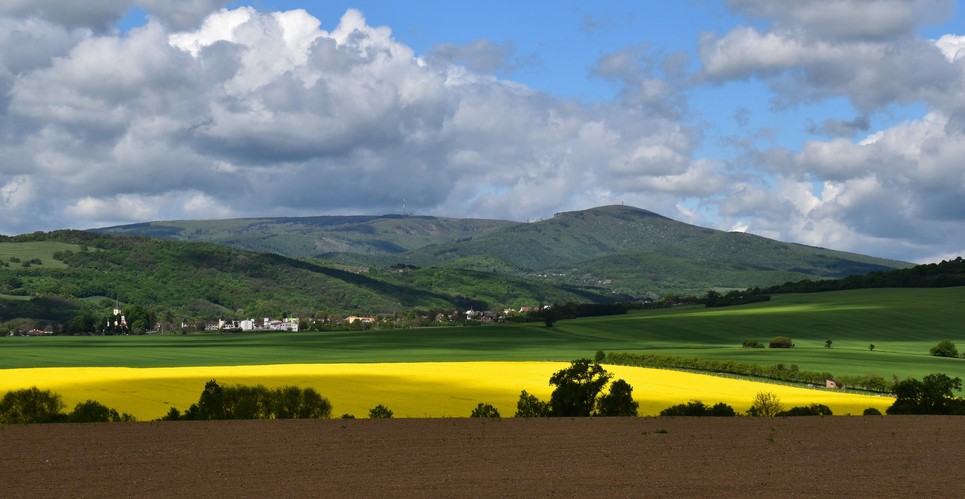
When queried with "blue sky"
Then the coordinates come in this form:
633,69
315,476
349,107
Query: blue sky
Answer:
835,123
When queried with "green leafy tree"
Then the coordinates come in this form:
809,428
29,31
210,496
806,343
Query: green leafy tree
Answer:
577,388
380,412
313,405
82,323
484,411
31,405
619,402
944,348
580,392
211,405
765,405
529,406
827,343
173,415
934,394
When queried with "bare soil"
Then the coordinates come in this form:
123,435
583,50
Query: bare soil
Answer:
893,456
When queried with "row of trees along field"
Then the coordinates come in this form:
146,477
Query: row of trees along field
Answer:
580,392
780,372
947,273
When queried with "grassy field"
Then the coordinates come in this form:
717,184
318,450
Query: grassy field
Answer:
425,389
902,324
43,250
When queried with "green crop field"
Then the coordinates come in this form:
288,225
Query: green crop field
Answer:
902,324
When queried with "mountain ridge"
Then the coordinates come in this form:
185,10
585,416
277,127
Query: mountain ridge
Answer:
627,249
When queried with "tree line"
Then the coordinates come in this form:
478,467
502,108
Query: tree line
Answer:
945,274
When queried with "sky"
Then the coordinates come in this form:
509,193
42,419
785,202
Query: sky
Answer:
832,123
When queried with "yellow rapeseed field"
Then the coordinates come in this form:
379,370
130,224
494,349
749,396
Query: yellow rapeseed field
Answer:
431,389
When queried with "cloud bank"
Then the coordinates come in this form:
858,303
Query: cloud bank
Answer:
205,113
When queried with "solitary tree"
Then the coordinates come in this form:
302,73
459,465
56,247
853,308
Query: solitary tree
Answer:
827,343
765,405
529,406
30,405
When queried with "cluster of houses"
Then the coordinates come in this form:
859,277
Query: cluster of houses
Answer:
286,324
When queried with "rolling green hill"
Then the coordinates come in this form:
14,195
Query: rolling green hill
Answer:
76,271
621,249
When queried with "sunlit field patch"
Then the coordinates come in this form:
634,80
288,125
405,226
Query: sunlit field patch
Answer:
430,389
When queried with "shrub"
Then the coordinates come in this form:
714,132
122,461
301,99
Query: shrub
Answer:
722,410
692,408
871,411
808,410
944,348
697,408
751,344
781,342
92,411
484,411
173,415
380,412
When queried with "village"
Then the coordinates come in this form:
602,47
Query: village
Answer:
291,324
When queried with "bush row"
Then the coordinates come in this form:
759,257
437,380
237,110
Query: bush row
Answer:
779,372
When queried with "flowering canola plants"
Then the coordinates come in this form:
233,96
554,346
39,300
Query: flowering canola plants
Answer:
424,389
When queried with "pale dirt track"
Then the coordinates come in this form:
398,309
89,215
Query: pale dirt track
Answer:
641,457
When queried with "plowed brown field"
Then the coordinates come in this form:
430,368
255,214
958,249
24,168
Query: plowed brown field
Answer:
639,457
